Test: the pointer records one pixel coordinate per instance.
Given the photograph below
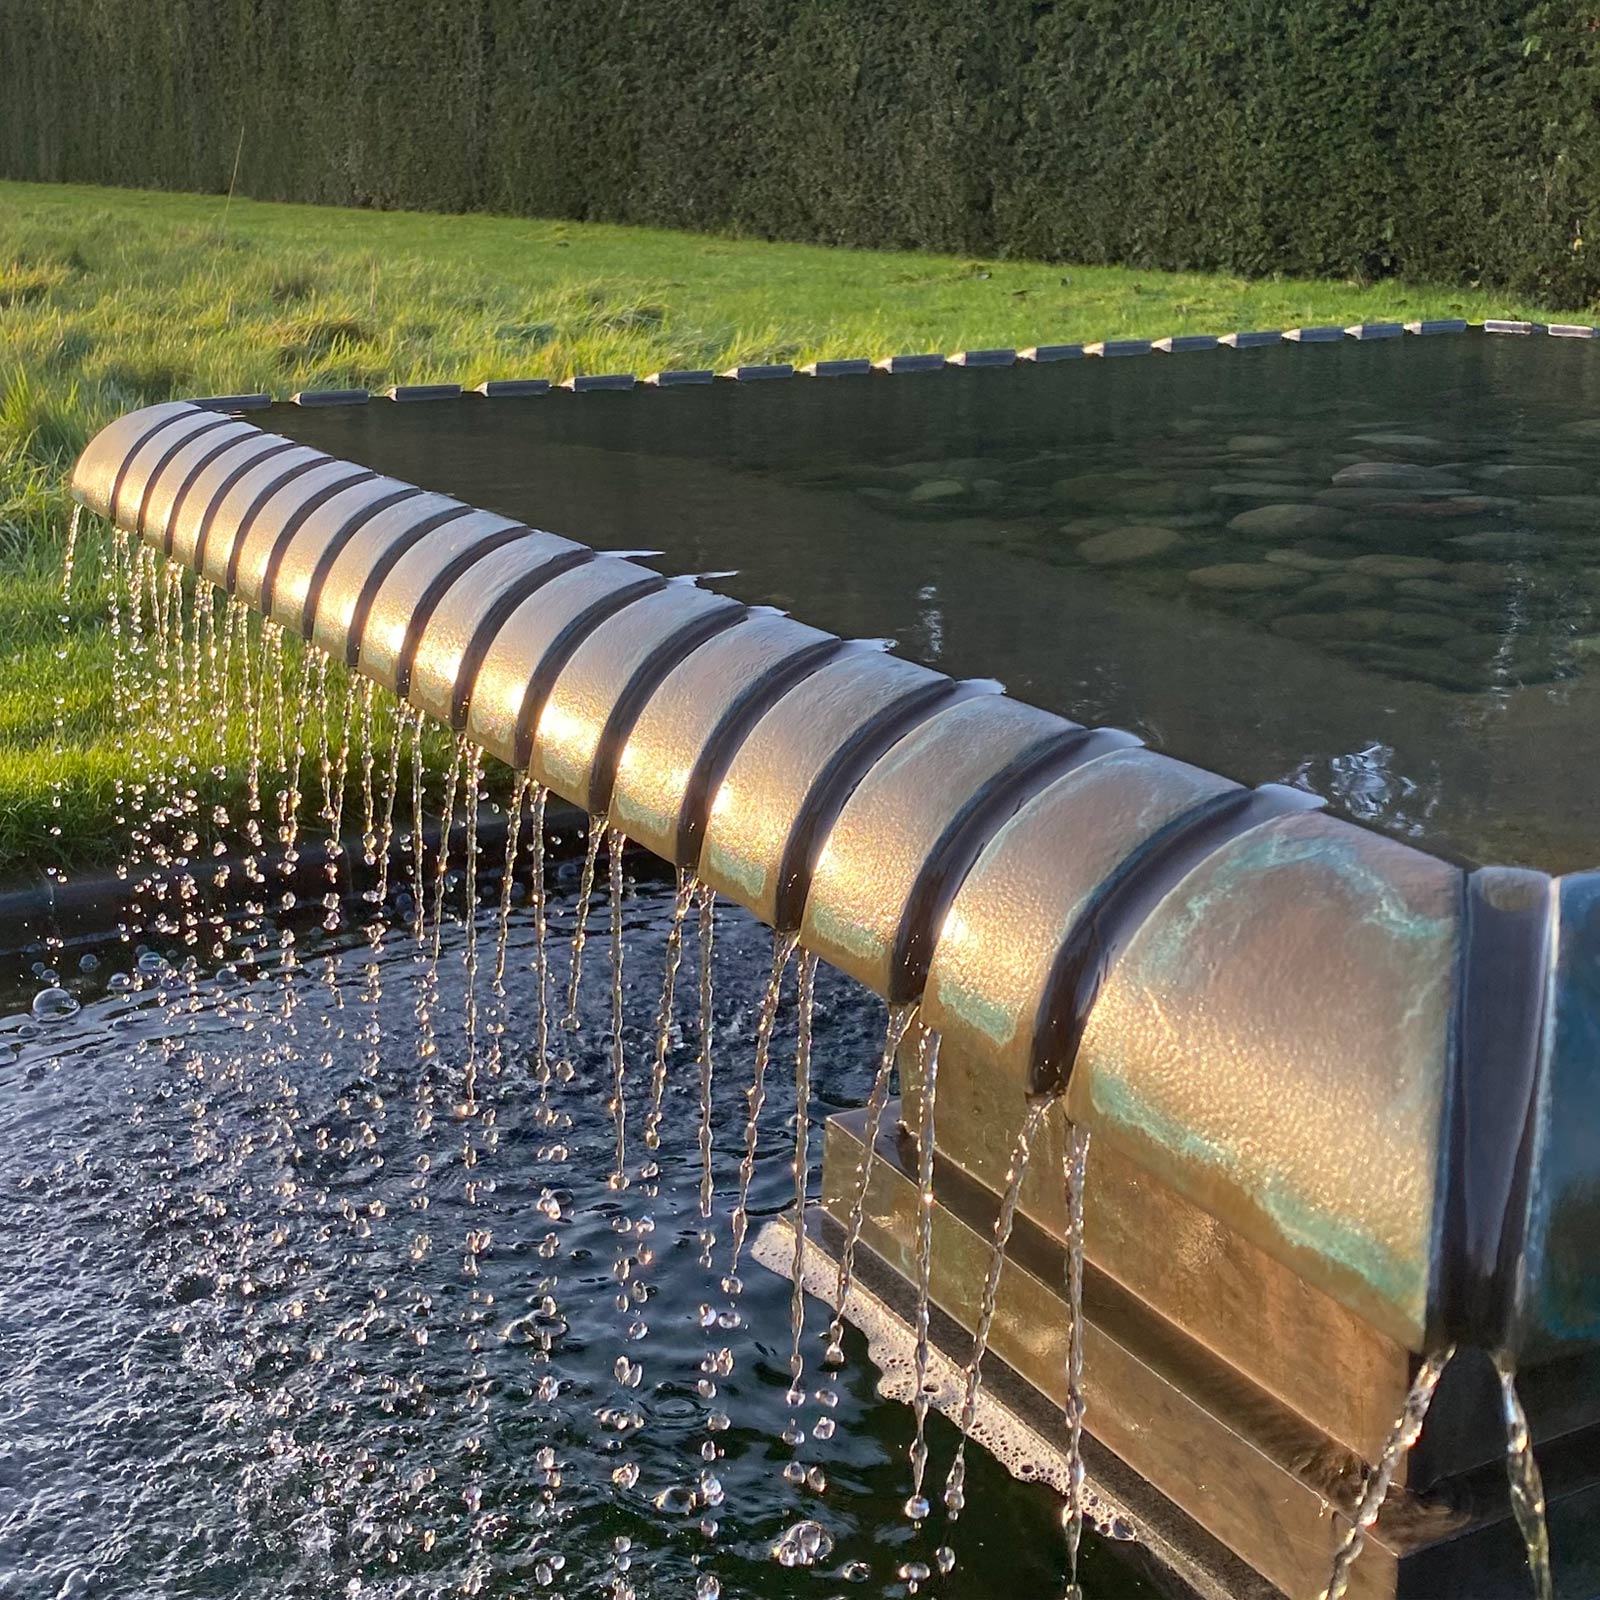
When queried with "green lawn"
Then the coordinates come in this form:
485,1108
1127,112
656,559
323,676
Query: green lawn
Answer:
111,299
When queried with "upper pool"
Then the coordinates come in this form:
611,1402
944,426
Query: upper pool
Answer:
1370,567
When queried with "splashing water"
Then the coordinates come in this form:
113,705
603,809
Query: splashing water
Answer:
1527,1486
1406,1431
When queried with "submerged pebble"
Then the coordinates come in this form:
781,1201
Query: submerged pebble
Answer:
1135,543
1243,576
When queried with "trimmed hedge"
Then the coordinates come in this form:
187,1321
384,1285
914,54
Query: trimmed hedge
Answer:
1329,137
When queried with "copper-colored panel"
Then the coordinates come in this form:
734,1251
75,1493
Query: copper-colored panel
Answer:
777,798
887,839
363,531
306,560
253,563
172,482
195,509
691,726
466,622
592,703
995,954
237,510
525,651
1273,1043
1255,1476
1224,1291
99,469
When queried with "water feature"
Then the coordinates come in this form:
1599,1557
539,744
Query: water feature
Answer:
922,799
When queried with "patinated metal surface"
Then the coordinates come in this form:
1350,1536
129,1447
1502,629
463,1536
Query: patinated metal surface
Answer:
193,512
693,724
593,701
1231,1455
782,791
1274,1045
237,510
340,596
307,558
863,906
526,651
100,469
1010,917
1206,1440
174,479
1226,1293
253,559
467,617
404,590
146,463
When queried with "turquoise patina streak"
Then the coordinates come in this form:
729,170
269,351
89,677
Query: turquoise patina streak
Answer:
750,876
1343,853
1400,1281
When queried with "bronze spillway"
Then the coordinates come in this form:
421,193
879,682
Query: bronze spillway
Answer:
1343,1093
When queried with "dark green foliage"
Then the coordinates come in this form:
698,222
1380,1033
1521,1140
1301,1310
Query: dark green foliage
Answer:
1344,137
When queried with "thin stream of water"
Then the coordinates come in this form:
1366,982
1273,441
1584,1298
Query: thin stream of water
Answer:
539,906
916,1506
1527,1486
472,766
955,1490
1075,1167
783,947
901,1018
704,1058
802,1175
683,897
580,928
619,1053
1406,1431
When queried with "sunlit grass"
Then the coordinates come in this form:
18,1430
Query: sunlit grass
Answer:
112,299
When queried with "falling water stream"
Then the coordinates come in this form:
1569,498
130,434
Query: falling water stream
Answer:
1407,1430
1527,1487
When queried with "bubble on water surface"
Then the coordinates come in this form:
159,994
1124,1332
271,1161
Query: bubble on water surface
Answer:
53,1005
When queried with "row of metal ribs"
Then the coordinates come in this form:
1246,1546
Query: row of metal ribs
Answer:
1273,1011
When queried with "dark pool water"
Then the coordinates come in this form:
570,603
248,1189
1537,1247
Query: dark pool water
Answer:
241,1354
1369,568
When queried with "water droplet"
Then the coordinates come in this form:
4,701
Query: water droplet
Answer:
707,1587
803,1545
